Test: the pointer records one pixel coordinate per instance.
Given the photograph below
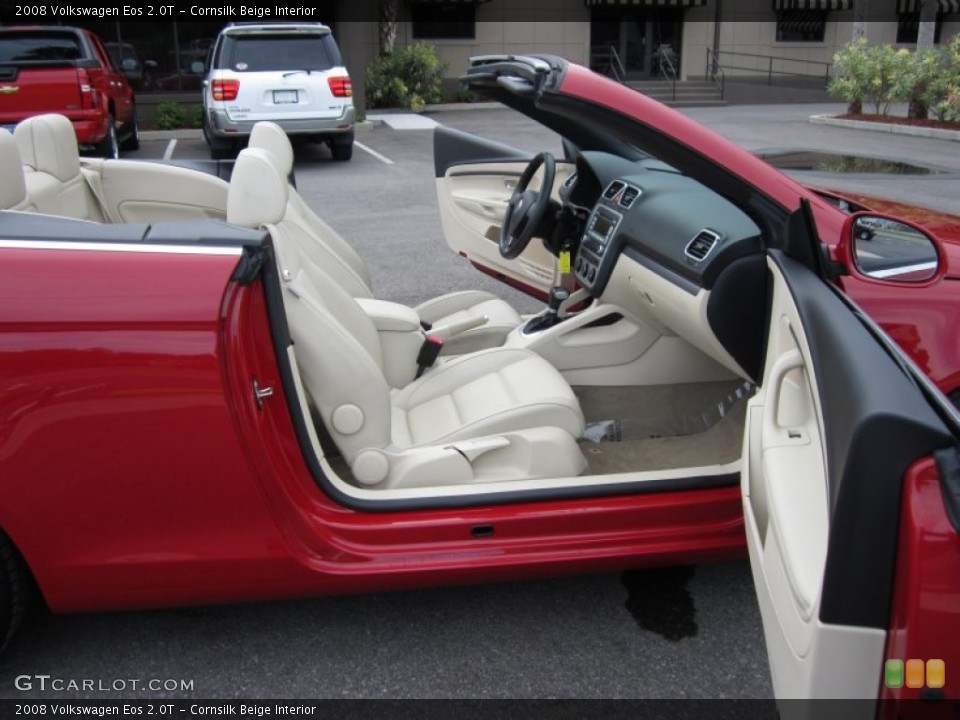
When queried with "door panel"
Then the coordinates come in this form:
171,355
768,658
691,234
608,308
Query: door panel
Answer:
473,199
152,192
820,483
475,178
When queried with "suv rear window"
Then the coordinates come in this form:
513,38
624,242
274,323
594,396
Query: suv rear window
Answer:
259,53
25,47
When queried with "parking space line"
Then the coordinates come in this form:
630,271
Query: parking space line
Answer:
168,153
377,155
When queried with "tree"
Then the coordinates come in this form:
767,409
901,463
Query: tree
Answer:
389,14
859,31
925,39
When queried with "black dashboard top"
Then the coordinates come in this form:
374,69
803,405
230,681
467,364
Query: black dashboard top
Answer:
666,221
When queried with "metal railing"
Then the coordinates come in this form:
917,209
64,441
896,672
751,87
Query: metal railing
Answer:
715,72
770,65
666,67
606,59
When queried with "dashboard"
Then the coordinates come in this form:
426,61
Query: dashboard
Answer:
669,249
663,220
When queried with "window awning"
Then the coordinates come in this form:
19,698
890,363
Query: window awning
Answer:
905,7
646,3
446,2
812,4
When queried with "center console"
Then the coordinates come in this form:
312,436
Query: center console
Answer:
595,246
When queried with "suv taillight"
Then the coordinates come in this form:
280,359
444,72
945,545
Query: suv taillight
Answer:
341,86
225,89
88,96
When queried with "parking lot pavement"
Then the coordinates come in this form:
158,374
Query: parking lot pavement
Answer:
674,633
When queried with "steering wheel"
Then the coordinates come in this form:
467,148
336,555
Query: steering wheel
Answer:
526,207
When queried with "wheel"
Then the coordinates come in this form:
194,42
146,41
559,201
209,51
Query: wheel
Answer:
219,149
341,152
526,207
109,147
13,590
132,140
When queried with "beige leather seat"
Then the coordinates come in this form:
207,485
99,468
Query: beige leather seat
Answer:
51,159
13,188
498,414
483,319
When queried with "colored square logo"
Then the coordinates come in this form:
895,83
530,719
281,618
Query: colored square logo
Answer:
936,673
916,673
893,673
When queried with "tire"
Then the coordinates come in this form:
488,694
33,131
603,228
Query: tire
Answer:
132,140
219,149
340,152
14,590
109,147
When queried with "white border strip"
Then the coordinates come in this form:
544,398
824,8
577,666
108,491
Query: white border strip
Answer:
377,155
171,146
901,270
121,247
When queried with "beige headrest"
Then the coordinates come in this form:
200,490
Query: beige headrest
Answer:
13,190
258,192
48,144
270,137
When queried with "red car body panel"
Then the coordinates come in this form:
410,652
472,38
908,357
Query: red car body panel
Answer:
126,354
57,89
926,598
922,319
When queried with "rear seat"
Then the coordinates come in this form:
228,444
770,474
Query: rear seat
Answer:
13,189
55,183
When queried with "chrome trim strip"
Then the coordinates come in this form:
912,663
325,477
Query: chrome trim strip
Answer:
121,247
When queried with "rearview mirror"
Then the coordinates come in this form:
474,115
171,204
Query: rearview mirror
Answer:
884,248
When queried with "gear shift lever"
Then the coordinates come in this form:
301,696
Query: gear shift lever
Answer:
551,316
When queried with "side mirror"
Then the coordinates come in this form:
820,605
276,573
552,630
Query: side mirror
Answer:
885,248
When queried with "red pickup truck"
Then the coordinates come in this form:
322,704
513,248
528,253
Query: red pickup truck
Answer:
67,70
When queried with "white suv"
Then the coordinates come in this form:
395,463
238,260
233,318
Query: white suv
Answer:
290,73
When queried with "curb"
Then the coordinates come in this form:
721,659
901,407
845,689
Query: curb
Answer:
892,128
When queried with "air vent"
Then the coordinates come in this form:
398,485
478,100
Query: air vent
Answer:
613,189
630,195
702,245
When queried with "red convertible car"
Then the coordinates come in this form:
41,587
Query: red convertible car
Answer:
197,411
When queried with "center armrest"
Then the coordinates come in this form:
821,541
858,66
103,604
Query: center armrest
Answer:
390,317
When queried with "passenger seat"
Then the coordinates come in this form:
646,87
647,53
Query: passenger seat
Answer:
495,415
13,189
486,319
51,159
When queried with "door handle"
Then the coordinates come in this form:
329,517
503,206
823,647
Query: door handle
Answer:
509,185
785,363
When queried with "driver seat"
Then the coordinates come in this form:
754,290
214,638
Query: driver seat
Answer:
487,319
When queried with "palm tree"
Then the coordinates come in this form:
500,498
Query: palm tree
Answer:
925,39
859,31
389,13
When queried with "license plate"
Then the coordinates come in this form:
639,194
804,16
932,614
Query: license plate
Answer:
284,97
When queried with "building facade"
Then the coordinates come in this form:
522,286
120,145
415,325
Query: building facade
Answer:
637,39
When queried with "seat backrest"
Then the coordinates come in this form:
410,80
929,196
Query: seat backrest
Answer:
13,188
55,184
335,343
333,252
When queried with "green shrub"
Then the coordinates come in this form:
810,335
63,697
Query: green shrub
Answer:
408,78
174,115
942,81
875,74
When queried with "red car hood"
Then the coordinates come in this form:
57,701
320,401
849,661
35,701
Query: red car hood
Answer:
945,226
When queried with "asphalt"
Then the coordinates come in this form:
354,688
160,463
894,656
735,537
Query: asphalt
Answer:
655,634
